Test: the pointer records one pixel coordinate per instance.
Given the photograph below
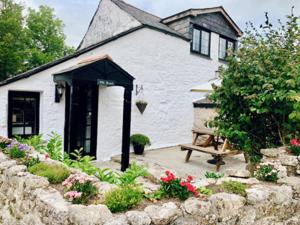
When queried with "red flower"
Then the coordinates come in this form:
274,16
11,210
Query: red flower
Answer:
47,156
189,178
170,176
295,142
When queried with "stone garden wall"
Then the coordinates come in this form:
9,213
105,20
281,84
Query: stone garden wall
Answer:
26,199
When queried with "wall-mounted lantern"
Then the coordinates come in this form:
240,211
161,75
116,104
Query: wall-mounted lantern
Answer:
59,92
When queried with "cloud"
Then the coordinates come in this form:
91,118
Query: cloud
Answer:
77,14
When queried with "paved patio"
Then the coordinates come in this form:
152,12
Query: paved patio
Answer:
174,159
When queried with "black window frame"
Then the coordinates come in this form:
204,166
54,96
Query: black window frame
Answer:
227,39
195,27
23,94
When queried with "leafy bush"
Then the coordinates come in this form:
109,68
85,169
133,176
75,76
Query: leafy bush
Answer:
123,198
157,195
17,150
140,139
205,191
266,172
177,188
212,175
55,173
35,141
54,147
31,161
258,102
295,146
80,188
234,187
133,172
3,145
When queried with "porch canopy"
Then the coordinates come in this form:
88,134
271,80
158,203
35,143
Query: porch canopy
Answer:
101,70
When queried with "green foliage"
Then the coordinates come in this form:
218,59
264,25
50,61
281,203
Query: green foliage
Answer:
80,188
16,153
12,39
212,175
234,187
258,102
31,161
3,145
55,173
28,41
205,191
35,141
123,198
46,40
266,172
54,147
133,172
173,189
295,150
140,139
157,195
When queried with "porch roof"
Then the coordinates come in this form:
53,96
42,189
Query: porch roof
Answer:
100,69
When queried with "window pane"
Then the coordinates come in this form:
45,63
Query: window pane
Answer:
196,40
222,48
17,131
205,43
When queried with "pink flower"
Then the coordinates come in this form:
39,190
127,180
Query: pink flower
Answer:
47,156
71,195
295,142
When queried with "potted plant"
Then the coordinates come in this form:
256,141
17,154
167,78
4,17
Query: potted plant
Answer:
141,105
139,141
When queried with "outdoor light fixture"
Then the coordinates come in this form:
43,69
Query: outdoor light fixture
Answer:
59,92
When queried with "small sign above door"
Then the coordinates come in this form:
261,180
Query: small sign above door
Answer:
105,82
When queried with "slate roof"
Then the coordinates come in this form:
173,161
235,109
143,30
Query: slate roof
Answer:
146,18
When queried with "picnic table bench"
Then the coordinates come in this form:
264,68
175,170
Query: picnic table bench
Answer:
209,146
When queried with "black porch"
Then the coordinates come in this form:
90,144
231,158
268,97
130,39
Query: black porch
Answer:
81,93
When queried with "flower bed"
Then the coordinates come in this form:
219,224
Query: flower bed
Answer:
30,199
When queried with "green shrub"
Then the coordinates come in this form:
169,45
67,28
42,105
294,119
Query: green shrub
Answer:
35,141
133,172
234,187
266,172
154,196
205,191
258,102
31,161
54,147
16,153
55,173
80,188
140,139
212,175
123,198
3,145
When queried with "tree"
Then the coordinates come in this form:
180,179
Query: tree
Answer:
28,42
45,36
12,39
259,100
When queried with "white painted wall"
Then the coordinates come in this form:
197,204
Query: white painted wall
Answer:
161,63
108,21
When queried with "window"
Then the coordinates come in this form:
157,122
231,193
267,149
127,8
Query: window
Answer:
224,45
23,113
201,42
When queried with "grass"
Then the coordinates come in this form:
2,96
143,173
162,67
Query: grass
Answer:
53,172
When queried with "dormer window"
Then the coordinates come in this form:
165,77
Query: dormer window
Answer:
201,41
224,45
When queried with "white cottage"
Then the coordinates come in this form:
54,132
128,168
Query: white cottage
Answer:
157,60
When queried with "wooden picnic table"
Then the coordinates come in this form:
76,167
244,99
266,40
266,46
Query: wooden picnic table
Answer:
210,146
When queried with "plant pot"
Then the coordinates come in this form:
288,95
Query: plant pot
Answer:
138,149
141,106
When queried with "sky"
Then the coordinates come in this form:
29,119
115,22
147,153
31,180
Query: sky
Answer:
77,14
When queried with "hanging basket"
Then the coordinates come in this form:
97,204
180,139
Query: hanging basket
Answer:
141,105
